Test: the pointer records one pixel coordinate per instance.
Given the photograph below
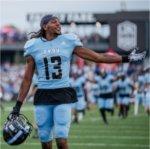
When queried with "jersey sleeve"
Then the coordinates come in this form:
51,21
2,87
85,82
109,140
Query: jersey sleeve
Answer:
28,48
75,40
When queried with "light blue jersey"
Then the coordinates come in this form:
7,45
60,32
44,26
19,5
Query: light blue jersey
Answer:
95,90
147,78
78,84
124,91
106,87
105,84
141,81
125,87
52,59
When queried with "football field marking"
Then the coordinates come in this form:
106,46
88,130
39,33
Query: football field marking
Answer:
109,137
108,131
93,145
120,128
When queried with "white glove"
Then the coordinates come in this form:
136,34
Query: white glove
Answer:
136,55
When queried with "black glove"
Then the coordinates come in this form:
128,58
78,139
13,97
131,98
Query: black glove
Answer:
135,55
16,109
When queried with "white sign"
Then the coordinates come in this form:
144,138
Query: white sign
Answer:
126,35
64,17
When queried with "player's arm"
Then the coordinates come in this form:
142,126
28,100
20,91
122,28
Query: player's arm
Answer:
88,54
27,79
25,85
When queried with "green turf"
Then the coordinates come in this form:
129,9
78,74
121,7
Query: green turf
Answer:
91,133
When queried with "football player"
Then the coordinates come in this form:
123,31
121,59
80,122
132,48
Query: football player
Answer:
125,89
106,97
146,91
138,98
79,107
50,52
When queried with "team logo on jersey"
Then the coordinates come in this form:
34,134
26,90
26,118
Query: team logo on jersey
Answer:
63,43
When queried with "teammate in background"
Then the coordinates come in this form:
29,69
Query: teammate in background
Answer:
106,96
147,91
139,97
95,90
90,81
50,53
147,98
139,91
79,107
125,90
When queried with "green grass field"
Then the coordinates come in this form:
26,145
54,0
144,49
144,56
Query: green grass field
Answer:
91,133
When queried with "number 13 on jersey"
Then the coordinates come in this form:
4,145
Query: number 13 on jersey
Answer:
57,67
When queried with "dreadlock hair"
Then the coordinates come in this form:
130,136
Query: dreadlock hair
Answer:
40,33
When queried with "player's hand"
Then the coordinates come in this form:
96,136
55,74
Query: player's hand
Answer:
136,55
14,113
16,110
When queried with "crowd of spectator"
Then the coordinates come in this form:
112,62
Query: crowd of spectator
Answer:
11,35
11,77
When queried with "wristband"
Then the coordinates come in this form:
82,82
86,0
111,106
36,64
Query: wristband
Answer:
125,59
18,105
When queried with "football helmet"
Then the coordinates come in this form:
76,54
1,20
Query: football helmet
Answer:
16,129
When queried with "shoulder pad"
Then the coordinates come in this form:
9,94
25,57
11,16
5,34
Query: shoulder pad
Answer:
29,43
71,36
